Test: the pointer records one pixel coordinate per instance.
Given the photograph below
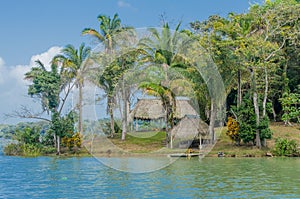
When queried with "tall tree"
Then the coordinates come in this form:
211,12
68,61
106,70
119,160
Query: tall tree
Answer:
262,50
161,51
109,28
73,68
212,35
46,86
52,87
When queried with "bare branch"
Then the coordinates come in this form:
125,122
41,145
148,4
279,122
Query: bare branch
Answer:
67,92
26,113
275,51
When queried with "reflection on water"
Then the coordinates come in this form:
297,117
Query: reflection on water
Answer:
137,164
47,177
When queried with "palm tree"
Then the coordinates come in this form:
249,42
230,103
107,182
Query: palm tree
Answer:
72,69
162,51
161,48
108,29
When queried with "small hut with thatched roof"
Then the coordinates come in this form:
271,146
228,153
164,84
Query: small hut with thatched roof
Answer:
153,110
188,129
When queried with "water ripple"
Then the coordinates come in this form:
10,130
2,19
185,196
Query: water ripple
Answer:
50,177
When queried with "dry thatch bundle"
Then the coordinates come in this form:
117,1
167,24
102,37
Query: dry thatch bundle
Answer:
189,128
152,109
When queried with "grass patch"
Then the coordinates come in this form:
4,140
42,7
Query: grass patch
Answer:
140,142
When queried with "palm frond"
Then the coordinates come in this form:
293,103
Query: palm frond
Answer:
40,64
94,33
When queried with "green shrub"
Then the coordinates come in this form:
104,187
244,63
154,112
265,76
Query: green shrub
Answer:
247,132
285,147
31,149
247,122
12,149
107,130
265,131
290,105
28,135
48,150
22,149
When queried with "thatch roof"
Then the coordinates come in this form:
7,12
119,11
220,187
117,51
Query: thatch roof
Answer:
189,127
153,109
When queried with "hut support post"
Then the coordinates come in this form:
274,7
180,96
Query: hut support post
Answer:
161,123
136,124
200,144
171,140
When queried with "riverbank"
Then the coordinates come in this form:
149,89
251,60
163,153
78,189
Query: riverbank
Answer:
229,149
153,144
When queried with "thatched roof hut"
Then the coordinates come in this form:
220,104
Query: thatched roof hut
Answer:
189,127
152,109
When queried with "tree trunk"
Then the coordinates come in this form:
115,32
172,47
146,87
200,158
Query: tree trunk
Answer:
256,107
92,142
58,145
285,79
167,129
125,111
80,109
256,110
212,119
128,106
266,92
169,122
54,140
124,126
111,113
112,123
239,96
265,100
274,112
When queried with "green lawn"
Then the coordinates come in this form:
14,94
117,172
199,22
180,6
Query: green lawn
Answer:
141,142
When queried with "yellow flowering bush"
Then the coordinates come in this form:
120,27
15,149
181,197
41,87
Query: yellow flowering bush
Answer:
233,130
75,140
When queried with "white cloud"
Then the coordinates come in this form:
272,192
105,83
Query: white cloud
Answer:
123,4
17,73
46,57
13,87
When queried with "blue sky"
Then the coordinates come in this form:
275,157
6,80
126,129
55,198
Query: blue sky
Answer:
37,29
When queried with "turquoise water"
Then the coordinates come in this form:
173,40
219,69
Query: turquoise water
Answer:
50,177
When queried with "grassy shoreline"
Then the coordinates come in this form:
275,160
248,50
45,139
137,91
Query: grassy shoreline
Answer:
152,144
225,145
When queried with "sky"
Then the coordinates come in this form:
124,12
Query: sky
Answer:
39,29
